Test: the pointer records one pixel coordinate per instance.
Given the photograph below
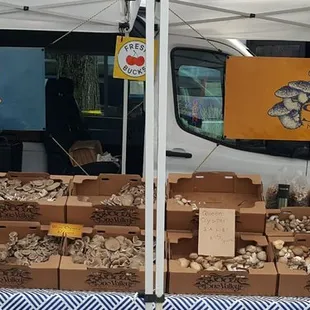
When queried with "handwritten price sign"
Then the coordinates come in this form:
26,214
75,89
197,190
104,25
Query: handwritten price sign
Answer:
63,229
216,235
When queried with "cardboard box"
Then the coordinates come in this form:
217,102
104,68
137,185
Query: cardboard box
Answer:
284,214
41,211
188,281
38,275
80,277
86,194
217,190
292,283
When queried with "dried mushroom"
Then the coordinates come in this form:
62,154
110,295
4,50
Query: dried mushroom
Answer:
296,257
129,196
112,252
16,190
299,191
248,257
28,250
272,197
291,224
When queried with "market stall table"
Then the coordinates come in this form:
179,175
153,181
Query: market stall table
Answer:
55,300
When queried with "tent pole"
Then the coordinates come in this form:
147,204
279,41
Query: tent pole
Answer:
125,122
161,154
149,155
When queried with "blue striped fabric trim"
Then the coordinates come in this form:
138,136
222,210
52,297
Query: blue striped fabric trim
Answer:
63,300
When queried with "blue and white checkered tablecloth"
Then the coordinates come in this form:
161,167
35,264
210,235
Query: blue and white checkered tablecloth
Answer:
62,300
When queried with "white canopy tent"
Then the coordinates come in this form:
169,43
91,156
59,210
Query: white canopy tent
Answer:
240,19
68,15
228,19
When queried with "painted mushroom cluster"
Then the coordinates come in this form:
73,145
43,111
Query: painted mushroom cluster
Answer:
294,96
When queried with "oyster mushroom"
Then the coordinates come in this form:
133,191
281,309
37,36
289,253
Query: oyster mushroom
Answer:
283,260
278,110
298,251
262,256
193,256
291,120
112,244
303,87
126,200
242,251
287,93
250,248
195,266
184,262
278,244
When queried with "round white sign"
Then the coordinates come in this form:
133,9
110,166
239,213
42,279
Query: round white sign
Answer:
131,59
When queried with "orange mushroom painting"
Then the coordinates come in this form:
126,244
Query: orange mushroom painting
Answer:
267,98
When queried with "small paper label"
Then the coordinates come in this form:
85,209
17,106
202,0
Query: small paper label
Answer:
65,230
216,236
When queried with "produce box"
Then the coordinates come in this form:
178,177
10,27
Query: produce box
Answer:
107,199
109,261
292,257
208,275
188,193
39,274
37,197
287,222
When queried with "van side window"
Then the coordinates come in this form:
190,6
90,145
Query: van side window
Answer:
198,84
199,91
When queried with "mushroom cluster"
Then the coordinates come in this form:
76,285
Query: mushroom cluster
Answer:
129,196
249,257
294,96
291,224
16,190
101,252
28,250
299,194
295,256
185,202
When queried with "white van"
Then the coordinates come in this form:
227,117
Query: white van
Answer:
195,116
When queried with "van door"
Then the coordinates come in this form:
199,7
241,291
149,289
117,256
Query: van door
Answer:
195,139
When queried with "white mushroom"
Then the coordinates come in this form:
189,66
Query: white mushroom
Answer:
195,266
193,256
262,255
231,267
184,262
242,251
251,248
278,244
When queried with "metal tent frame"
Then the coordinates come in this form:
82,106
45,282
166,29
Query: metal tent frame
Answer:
205,19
